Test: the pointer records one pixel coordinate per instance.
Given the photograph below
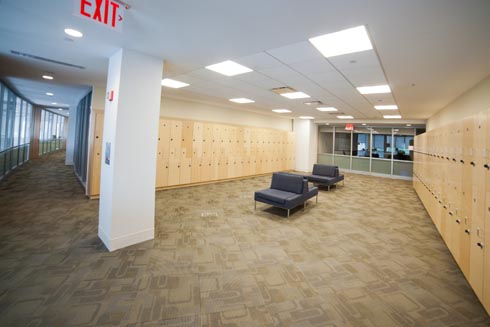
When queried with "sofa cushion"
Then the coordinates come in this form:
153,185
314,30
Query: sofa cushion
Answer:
325,170
325,179
287,182
274,195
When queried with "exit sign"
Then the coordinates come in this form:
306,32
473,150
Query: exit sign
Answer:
105,12
349,127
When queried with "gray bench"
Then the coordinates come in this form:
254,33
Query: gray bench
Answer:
287,191
325,175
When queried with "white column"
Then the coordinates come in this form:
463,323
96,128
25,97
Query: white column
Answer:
306,133
127,183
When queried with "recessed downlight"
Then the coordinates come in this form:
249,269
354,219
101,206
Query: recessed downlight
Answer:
342,42
60,109
306,117
49,94
229,68
327,109
376,89
48,77
72,32
241,100
386,107
392,117
408,125
167,82
345,117
363,124
281,111
54,103
295,95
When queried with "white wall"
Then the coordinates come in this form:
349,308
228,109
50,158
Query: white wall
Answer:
98,98
185,109
472,101
306,133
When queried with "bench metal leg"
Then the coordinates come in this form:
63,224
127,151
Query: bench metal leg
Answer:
304,205
329,187
317,198
255,205
288,213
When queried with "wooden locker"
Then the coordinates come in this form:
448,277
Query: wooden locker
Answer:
162,172
164,135
175,139
197,139
196,169
185,170
486,263
187,138
206,168
174,171
96,154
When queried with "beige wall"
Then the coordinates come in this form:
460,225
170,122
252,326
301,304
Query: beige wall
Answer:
184,109
472,101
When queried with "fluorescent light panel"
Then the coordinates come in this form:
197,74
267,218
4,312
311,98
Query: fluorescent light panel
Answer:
342,42
49,94
229,68
173,83
242,100
392,117
48,77
345,117
72,32
376,89
306,117
327,109
386,107
281,111
295,95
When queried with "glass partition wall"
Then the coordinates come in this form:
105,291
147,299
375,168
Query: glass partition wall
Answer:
375,150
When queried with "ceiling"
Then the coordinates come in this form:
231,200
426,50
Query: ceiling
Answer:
429,52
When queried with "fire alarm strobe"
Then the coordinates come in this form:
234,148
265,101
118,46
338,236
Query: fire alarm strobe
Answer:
110,95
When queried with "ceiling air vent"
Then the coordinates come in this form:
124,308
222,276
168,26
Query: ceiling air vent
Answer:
283,89
336,113
31,56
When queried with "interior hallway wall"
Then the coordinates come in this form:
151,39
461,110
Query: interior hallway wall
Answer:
178,108
471,102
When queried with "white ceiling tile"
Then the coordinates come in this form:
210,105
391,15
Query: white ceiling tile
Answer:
362,59
259,61
297,52
365,76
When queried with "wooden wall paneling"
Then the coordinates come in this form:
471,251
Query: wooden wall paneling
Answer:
163,173
206,169
187,138
185,168
196,163
197,140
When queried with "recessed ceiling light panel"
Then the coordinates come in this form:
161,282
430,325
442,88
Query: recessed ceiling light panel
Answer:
281,111
392,117
229,68
386,107
306,117
327,109
242,100
73,33
295,95
49,94
345,117
49,77
376,89
167,82
346,41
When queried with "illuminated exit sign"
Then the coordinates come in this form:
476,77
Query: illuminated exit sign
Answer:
109,13
349,127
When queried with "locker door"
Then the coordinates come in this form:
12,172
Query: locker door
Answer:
164,135
187,138
197,137
207,140
162,172
96,154
175,138
185,170
205,169
196,169
486,267
174,171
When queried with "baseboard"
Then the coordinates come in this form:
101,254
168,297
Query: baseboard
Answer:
126,240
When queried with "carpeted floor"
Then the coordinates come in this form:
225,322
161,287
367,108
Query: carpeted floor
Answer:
366,255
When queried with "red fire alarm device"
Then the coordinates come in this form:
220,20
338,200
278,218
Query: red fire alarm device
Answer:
110,95
349,127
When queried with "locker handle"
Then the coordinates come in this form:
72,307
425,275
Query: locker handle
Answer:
467,231
450,213
458,221
454,160
440,201
447,158
472,163
480,244
462,161
445,206
486,166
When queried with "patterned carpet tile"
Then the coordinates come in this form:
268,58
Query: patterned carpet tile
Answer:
366,254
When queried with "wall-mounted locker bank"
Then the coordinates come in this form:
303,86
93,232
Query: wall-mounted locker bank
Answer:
452,178
192,152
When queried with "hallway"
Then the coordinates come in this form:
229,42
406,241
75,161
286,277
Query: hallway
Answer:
361,257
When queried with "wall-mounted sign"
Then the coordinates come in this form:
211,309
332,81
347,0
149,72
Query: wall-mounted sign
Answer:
106,12
349,127
108,153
